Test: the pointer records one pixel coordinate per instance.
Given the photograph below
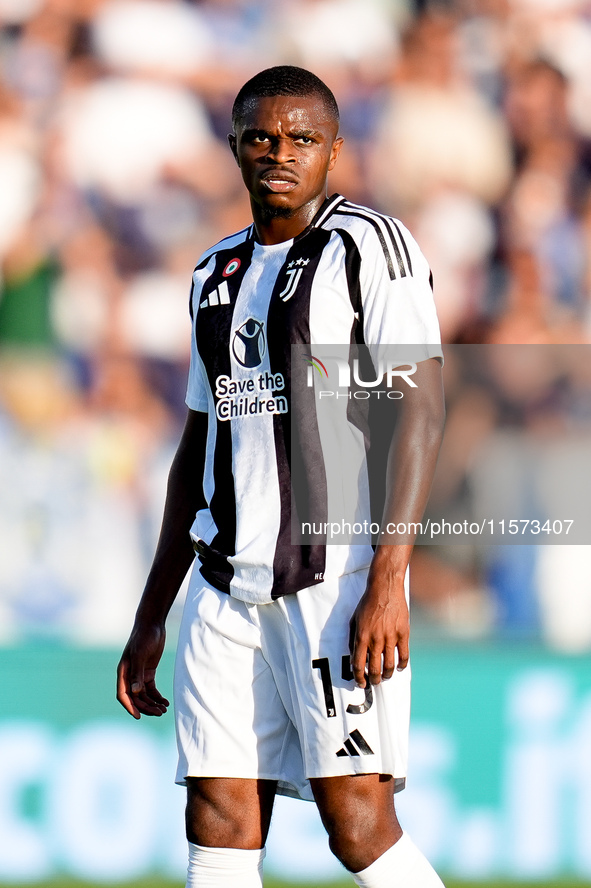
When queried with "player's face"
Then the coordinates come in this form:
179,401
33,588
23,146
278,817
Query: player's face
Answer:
285,146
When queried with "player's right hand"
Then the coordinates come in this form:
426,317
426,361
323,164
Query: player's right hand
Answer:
136,673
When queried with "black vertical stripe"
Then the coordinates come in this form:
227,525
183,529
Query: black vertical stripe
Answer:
213,330
297,565
352,271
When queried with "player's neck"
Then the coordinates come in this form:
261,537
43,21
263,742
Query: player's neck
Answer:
273,227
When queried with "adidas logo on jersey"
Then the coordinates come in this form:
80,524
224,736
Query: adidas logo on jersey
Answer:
220,296
360,747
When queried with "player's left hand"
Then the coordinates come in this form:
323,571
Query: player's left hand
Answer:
136,673
379,627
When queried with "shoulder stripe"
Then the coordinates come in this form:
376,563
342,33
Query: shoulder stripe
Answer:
378,230
389,225
404,247
238,238
333,203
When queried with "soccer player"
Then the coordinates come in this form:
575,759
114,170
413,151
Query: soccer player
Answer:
291,672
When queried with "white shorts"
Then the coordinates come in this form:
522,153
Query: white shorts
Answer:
265,691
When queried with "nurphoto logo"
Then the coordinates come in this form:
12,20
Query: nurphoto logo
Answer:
344,372
315,364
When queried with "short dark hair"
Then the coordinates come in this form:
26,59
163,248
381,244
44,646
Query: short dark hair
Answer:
283,80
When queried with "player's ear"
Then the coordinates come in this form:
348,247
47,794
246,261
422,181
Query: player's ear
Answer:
334,152
232,144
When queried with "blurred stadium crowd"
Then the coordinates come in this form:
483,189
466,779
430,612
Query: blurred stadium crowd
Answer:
469,120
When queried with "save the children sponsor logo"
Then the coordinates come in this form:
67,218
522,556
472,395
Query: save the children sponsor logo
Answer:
249,343
254,396
244,394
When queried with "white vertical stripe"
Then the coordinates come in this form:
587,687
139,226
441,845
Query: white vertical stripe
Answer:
343,446
331,312
256,482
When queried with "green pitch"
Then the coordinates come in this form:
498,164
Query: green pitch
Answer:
273,883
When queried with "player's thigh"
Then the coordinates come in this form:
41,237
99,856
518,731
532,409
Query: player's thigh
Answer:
230,720
229,812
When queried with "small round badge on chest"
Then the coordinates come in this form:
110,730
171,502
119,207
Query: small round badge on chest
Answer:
232,266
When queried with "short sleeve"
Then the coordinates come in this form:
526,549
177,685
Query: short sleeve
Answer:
197,387
397,297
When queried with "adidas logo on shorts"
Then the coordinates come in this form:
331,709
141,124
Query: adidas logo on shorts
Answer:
350,748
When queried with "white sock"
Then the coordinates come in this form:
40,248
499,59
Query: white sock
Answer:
224,867
401,866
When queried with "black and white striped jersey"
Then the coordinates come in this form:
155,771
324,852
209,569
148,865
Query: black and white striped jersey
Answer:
353,275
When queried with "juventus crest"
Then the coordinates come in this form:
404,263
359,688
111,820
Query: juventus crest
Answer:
294,273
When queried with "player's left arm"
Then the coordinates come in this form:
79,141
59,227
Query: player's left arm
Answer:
380,625
399,312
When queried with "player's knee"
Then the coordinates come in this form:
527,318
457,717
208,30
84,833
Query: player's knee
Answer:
214,826
215,823
360,831
351,842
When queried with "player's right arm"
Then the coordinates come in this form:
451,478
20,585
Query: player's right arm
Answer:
136,687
